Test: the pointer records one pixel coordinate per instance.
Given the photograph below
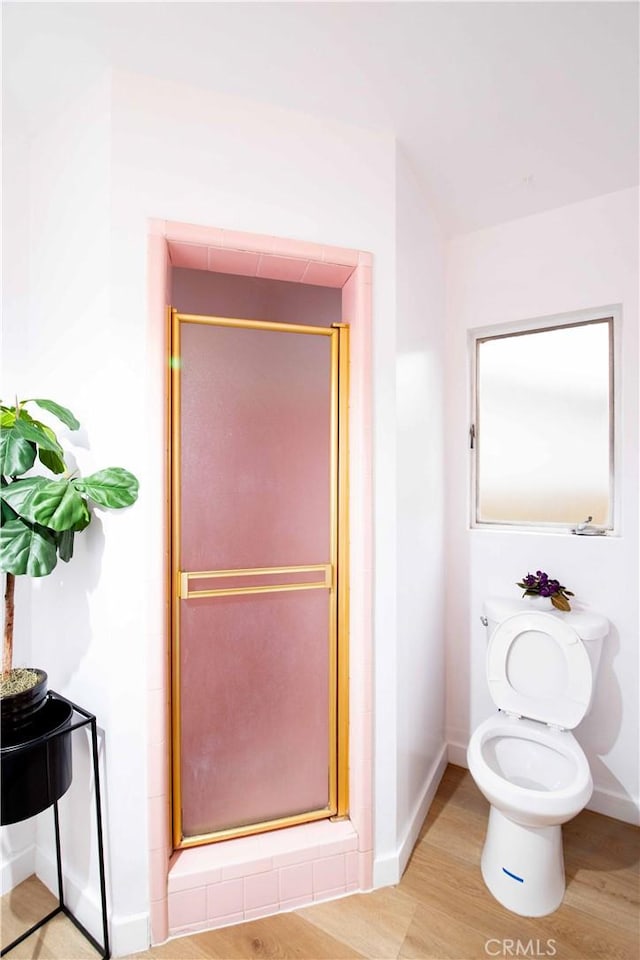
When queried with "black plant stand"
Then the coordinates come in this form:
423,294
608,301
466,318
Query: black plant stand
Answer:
104,951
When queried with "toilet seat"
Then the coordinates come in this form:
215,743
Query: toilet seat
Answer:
512,650
534,808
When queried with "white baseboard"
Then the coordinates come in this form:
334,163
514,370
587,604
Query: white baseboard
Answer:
17,868
388,871
422,808
457,754
127,934
616,805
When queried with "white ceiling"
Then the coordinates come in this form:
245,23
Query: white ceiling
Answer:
504,108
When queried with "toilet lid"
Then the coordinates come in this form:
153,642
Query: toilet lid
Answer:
537,667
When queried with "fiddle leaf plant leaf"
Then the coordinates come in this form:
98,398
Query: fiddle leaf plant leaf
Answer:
27,548
7,417
84,519
62,413
18,493
31,430
17,455
50,458
114,487
39,516
56,504
65,545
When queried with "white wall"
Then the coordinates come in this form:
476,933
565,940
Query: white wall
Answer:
411,709
120,153
572,258
17,852
84,628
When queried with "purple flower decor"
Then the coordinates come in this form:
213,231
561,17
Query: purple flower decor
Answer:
541,585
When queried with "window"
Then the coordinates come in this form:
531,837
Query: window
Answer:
543,431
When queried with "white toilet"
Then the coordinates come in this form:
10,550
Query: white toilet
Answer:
541,667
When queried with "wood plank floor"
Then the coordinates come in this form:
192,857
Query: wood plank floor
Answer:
440,909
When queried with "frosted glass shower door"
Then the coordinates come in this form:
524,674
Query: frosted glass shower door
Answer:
255,487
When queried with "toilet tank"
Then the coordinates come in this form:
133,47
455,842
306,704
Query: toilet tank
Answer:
591,627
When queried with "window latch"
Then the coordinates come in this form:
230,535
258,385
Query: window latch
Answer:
472,436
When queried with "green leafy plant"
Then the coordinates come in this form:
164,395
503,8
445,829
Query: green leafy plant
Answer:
40,515
541,585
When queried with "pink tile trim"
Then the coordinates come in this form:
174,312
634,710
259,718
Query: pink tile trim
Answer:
158,771
190,881
351,868
156,228
239,240
365,870
158,821
342,255
158,674
295,904
159,921
228,921
189,928
256,912
329,894
326,274
237,262
192,233
189,255
301,249
157,716
247,868
282,268
158,863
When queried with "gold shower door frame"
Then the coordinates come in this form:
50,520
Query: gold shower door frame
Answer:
332,576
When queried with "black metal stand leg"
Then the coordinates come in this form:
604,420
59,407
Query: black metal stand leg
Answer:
103,882
56,823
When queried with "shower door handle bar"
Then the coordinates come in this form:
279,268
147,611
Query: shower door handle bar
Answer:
186,593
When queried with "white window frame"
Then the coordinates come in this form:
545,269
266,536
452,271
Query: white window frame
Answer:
539,324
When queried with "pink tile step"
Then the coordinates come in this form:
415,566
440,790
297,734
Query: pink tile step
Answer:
329,874
233,859
225,898
187,907
192,868
296,881
261,890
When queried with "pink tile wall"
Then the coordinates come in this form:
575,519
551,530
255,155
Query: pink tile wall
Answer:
224,883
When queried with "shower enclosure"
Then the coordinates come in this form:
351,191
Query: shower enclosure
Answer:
259,573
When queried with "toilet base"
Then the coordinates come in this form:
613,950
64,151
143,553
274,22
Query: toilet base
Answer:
523,867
